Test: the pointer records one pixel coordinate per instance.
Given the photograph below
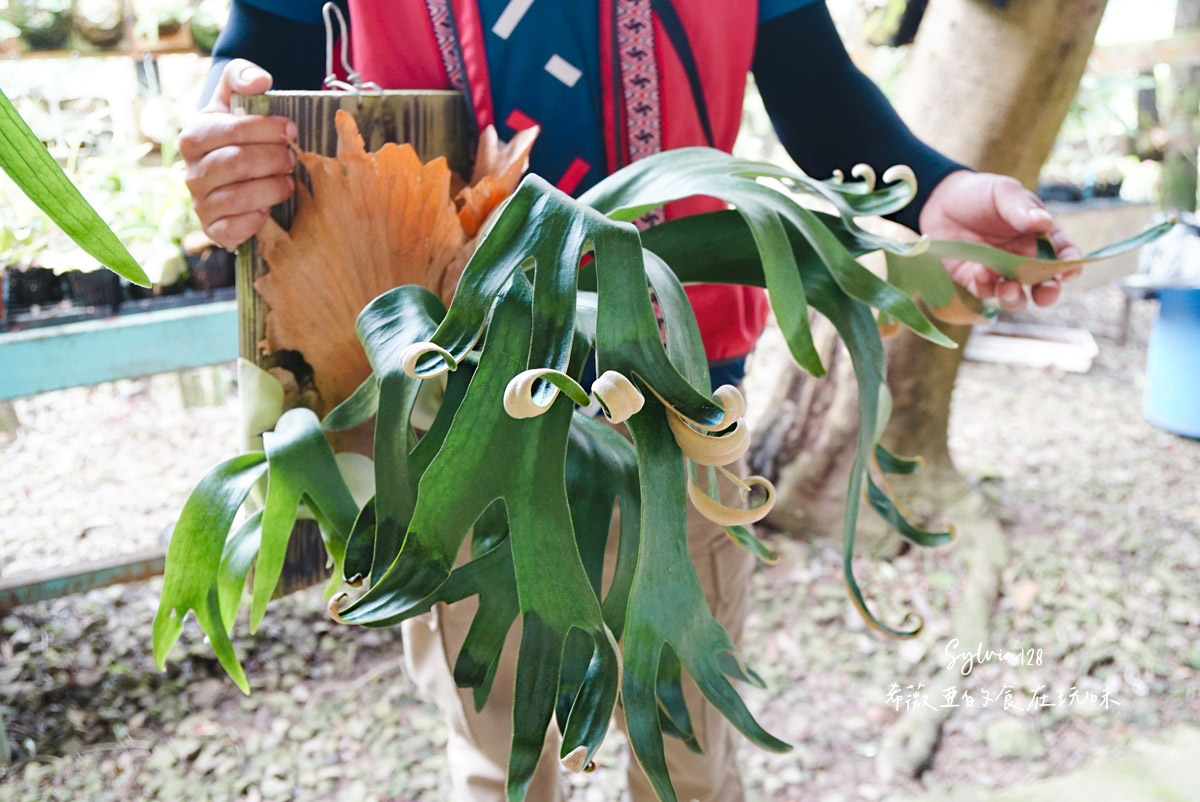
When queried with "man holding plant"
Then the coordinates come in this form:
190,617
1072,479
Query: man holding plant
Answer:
608,82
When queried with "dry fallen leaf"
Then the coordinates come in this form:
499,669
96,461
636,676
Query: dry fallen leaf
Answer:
372,222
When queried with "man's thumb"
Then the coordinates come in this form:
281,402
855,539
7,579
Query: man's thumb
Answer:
240,76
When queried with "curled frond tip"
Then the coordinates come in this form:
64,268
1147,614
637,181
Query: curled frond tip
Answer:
411,357
333,608
718,513
867,173
518,395
618,396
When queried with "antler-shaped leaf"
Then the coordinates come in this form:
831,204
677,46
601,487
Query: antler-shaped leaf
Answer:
194,557
682,173
923,274
301,469
667,608
506,455
854,323
555,594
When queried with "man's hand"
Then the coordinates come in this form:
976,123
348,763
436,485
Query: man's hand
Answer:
239,166
998,211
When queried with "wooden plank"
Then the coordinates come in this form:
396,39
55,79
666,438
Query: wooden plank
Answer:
59,582
1182,49
122,347
435,123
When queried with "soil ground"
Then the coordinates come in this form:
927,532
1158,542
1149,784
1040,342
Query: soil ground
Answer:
1099,603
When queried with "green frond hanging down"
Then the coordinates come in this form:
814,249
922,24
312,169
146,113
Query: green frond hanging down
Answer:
511,463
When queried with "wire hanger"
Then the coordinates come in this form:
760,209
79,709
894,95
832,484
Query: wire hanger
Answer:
354,82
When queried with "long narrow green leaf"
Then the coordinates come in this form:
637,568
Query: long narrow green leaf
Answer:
673,714
1022,268
37,174
628,339
356,410
856,326
889,463
360,545
236,560
685,349
601,472
883,504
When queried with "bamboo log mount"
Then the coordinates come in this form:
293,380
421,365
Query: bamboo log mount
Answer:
435,123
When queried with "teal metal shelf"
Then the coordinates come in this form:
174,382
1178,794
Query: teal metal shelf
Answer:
31,588
123,347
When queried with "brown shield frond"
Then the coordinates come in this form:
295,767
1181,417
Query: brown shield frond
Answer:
369,223
498,170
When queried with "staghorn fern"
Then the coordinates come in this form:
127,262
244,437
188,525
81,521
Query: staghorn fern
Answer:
509,460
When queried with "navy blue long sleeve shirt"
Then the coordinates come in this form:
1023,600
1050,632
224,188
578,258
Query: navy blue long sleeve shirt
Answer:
827,114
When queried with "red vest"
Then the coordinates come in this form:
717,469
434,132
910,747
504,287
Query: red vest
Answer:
412,44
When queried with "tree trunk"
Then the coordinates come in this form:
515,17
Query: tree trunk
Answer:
1180,174
988,87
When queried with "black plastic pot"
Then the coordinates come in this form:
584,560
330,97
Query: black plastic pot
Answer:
98,289
1107,189
135,293
211,269
32,286
1059,192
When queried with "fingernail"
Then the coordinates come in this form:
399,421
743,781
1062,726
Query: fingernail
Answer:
292,158
251,73
1040,215
290,130
1071,253
1050,288
1009,293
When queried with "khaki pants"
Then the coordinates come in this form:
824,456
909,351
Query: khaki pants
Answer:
479,742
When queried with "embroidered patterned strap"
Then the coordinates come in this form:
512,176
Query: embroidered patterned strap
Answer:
443,30
639,82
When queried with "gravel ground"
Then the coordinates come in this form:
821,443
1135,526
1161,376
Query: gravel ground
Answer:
1102,511
96,471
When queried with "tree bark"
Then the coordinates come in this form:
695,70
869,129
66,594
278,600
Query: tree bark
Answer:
988,87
